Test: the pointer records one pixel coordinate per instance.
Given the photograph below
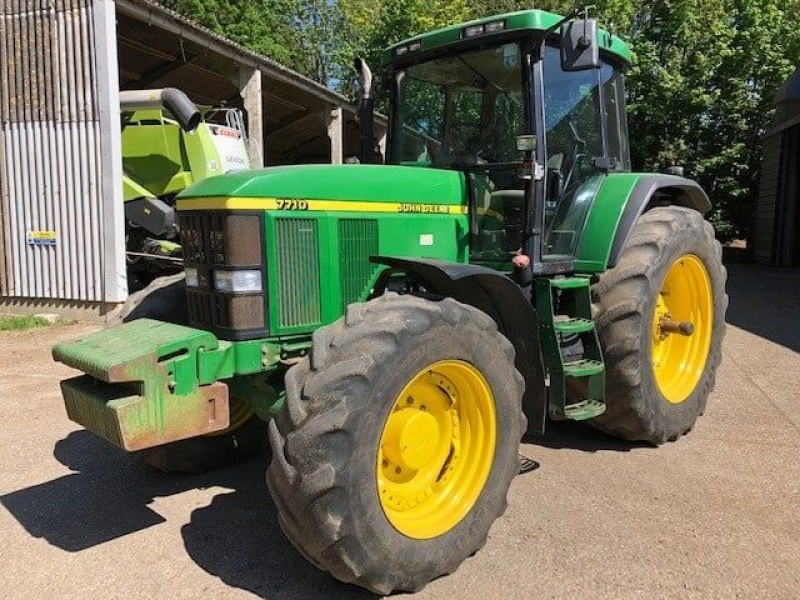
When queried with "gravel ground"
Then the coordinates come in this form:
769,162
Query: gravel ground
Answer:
714,515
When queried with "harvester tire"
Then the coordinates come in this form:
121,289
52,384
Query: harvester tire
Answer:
671,257
165,300
332,445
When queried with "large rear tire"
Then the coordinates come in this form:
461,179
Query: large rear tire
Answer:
397,444
165,300
670,272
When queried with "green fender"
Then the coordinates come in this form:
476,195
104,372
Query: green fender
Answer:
620,201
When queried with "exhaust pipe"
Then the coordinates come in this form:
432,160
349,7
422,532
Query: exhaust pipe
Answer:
366,111
173,100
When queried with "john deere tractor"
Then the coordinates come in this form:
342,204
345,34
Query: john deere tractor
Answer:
399,327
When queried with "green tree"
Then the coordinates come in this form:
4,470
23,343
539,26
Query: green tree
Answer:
700,88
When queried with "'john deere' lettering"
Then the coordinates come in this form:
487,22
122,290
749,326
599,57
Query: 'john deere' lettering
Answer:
423,208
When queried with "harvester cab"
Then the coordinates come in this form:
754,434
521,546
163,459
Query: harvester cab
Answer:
370,318
168,144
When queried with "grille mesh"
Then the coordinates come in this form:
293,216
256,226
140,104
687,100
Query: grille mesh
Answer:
358,240
298,268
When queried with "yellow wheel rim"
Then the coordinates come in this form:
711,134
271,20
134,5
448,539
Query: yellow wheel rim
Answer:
685,297
436,449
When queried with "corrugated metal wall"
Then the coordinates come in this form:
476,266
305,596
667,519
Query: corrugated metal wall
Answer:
52,164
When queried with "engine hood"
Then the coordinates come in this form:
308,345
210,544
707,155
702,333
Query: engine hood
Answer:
356,183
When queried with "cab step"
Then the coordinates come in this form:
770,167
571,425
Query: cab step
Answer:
570,283
572,326
583,368
570,348
587,409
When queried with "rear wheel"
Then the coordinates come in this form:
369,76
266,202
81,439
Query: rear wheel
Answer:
398,441
165,300
660,316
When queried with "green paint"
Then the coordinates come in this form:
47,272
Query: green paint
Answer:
601,225
154,156
311,271
359,183
526,20
265,394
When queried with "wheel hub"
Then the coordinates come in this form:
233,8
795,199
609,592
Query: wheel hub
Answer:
411,438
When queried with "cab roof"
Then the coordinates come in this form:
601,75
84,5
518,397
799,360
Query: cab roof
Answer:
535,20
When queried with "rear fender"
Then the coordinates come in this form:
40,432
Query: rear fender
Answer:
496,295
656,190
620,201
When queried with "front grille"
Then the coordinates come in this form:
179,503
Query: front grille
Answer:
203,238
297,242
358,240
222,240
223,312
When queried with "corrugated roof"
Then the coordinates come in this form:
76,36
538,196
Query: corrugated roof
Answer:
149,9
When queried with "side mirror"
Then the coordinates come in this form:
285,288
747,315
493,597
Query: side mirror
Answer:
580,45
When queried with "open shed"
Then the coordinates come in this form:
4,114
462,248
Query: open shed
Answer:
62,237
777,232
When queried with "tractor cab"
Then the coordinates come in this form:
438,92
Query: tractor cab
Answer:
534,117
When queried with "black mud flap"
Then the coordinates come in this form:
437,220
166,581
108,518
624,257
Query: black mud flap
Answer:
500,298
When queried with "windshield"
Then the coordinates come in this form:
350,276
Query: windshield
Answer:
462,109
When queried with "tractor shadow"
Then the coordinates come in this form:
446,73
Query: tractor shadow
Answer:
236,538
577,436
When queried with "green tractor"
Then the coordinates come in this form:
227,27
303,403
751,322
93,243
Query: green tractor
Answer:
399,327
168,144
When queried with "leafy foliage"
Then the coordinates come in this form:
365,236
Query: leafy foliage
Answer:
700,89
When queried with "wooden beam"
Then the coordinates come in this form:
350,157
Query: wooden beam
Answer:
292,120
149,77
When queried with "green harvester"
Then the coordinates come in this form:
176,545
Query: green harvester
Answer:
394,329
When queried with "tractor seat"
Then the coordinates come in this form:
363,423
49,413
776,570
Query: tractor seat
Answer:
502,205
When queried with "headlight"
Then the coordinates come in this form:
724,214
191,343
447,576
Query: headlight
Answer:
192,277
237,281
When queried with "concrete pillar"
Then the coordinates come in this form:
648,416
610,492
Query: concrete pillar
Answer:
250,90
115,280
336,135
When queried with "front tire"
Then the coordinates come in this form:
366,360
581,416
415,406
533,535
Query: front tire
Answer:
397,444
657,383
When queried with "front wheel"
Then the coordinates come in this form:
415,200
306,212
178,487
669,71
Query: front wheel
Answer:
397,444
660,315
